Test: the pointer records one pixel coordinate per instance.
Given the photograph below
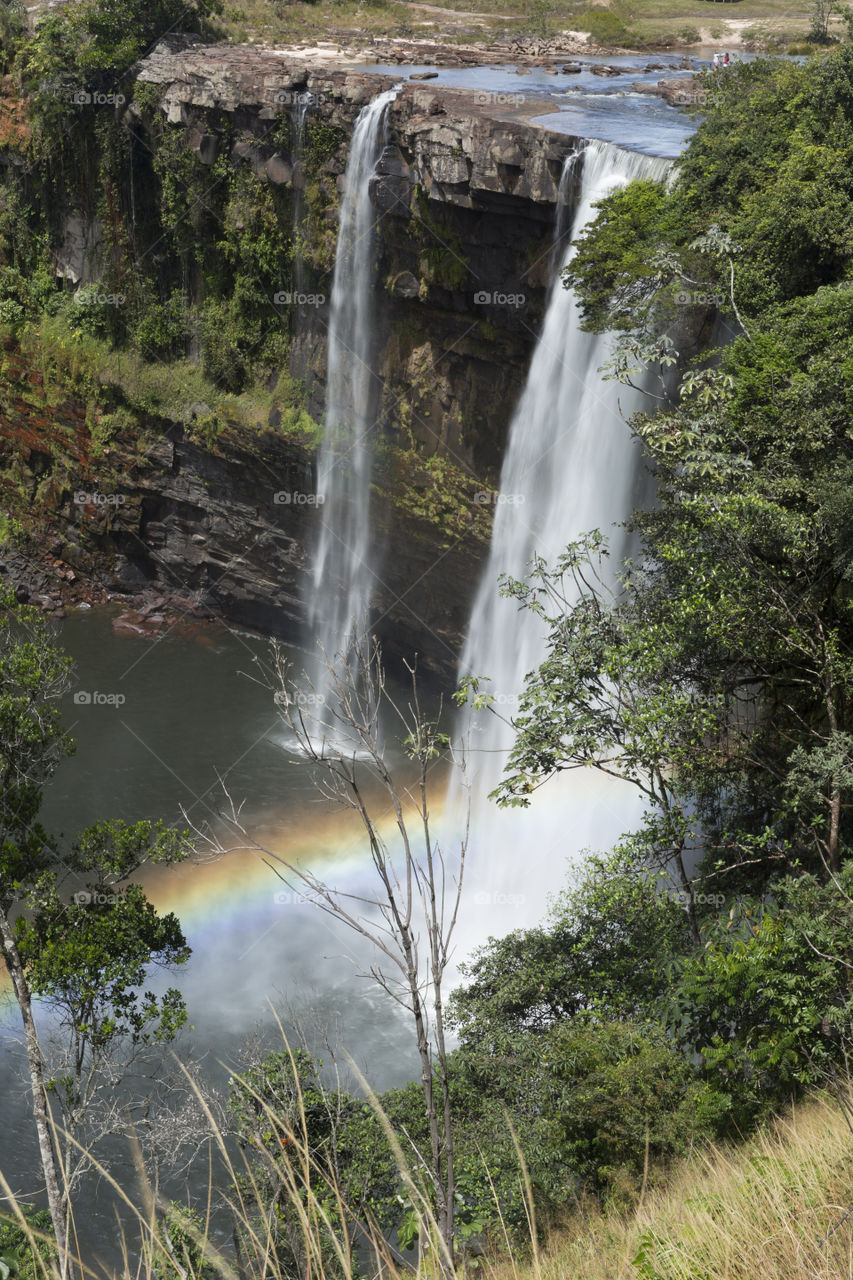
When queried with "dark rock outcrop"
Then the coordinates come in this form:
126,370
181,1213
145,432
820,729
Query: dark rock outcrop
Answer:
223,532
685,92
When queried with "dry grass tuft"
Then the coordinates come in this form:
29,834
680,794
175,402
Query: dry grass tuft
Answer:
777,1207
770,1209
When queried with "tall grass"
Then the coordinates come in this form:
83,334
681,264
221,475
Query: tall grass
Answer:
777,1207
771,1208
88,367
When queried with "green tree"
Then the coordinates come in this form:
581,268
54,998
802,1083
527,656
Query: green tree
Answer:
767,1001
718,676
626,1102
769,167
13,25
822,11
106,37
89,958
607,946
88,961
718,681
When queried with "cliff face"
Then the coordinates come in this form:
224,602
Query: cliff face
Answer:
465,192
221,532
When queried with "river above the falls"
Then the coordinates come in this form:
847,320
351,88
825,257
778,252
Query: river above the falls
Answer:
586,104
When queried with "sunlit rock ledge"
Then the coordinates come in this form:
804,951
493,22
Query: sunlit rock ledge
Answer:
464,148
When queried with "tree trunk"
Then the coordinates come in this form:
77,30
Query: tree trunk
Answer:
687,890
432,1115
443,1208
56,1199
447,1125
833,842
835,830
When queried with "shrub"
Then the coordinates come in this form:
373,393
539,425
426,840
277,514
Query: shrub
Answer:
766,1002
161,328
626,1099
19,1259
606,27
11,313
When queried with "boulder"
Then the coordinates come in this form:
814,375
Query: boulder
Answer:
278,170
405,285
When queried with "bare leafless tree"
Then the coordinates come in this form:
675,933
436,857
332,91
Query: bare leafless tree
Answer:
410,918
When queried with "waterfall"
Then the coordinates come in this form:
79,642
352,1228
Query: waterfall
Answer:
298,117
342,579
570,466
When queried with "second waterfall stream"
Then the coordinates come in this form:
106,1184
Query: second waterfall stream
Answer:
570,466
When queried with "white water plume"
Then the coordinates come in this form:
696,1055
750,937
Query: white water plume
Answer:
342,577
570,466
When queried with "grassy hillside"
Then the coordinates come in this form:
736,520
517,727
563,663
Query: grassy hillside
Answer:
774,1208
771,1209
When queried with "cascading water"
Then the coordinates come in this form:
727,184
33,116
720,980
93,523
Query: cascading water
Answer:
570,466
298,117
342,578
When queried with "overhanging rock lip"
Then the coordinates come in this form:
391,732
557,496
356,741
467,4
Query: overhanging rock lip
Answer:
479,149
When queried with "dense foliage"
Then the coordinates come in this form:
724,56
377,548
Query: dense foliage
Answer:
193,256
706,962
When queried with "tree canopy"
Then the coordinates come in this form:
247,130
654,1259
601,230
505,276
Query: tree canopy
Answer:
714,670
